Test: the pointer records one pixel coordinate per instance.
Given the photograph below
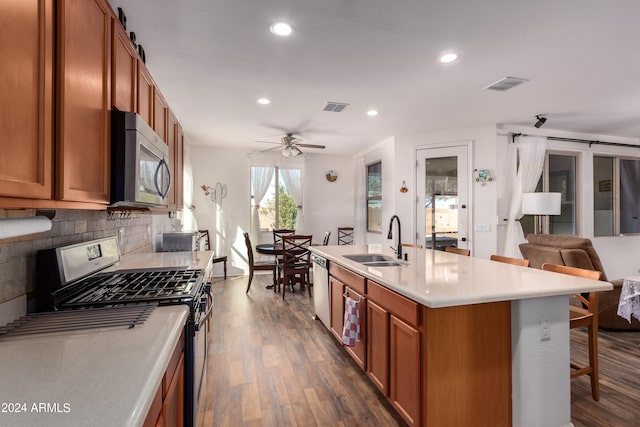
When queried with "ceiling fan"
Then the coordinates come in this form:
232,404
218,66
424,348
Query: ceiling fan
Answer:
290,145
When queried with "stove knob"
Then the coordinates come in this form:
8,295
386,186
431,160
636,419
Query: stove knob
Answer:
207,287
203,304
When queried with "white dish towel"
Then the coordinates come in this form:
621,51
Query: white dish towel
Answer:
351,330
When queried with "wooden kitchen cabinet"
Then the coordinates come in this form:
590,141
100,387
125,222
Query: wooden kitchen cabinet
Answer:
83,100
160,114
179,167
124,69
404,363
336,307
173,403
378,346
26,98
343,281
394,354
175,140
167,407
145,99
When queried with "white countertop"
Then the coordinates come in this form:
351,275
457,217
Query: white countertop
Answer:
101,377
192,260
441,279
106,377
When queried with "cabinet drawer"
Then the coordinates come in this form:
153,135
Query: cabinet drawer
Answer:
348,277
396,304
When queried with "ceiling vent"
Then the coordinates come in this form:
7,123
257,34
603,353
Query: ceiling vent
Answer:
506,83
336,107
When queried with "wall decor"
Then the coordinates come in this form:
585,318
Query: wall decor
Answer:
331,175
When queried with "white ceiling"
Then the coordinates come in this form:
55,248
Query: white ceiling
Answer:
213,58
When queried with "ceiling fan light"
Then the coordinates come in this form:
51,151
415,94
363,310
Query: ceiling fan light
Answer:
286,152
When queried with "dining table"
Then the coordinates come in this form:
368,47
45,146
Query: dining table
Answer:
273,249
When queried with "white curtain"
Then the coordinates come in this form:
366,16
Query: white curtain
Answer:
293,181
360,214
530,152
261,177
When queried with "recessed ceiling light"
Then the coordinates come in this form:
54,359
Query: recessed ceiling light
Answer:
263,101
281,29
448,57
372,113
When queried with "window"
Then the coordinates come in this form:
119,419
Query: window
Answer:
374,197
277,209
559,176
616,179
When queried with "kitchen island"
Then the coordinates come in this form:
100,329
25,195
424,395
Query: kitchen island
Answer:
491,340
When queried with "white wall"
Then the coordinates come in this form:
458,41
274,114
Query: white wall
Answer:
326,205
226,222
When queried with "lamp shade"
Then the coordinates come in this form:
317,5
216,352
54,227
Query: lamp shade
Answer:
541,203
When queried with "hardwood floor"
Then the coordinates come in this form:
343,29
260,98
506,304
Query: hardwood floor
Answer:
619,360
271,364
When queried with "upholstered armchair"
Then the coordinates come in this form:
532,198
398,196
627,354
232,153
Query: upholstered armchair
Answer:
578,252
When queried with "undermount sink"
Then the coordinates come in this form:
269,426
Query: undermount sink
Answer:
381,264
374,260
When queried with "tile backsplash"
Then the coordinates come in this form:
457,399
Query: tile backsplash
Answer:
17,255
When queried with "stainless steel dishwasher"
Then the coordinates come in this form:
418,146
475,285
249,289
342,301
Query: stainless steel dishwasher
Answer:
321,288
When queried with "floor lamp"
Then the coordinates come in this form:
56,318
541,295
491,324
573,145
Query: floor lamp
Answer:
540,204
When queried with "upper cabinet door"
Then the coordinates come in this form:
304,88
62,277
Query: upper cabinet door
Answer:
178,175
124,69
84,98
26,98
172,137
145,93
160,114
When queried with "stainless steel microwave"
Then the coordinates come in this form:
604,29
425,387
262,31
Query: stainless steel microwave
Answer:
140,163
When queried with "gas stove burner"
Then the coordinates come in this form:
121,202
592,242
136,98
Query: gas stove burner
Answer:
126,286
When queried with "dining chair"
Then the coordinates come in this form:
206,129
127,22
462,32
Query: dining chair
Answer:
257,265
280,233
203,240
277,241
345,235
325,239
296,262
586,315
509,260
459,251
411,245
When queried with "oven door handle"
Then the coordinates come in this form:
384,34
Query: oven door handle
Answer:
204,318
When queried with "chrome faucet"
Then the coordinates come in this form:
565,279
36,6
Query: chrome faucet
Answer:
390,235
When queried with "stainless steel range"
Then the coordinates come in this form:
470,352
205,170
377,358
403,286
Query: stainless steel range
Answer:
72,277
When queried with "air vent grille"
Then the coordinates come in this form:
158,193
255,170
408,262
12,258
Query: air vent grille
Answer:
506,83
336,107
